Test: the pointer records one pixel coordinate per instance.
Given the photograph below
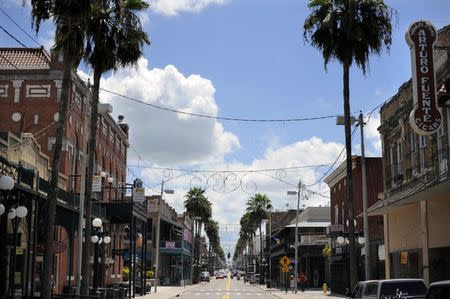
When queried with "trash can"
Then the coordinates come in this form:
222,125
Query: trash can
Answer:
269,283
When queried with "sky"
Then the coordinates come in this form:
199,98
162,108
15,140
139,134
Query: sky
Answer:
240,59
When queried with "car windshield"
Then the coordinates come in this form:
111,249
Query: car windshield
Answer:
410,288
439,292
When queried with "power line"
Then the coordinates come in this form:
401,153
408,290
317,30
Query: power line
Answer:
13,37
20,27
217,117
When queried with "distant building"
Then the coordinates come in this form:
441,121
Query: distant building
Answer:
339,260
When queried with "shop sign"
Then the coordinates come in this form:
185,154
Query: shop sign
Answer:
170,245
313,240
426,116
187,235
404,257
335,228
96,183
139,194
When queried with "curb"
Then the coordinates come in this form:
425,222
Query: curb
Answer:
185,291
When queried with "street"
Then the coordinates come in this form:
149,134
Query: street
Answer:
227,289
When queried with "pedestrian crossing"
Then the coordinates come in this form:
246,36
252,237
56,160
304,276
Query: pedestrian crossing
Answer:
228,293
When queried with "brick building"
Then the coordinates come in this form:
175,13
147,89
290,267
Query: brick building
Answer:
415,205
30,92
339,261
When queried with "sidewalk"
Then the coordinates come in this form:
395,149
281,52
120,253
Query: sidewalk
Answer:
166,292
308,294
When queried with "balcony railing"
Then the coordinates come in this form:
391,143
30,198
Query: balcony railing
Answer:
419,166
170,244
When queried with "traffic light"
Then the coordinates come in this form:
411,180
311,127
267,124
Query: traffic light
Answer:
229,255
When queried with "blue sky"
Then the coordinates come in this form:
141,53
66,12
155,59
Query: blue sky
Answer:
248,59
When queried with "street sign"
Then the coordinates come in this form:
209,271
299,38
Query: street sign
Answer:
138,194
285,261
284,269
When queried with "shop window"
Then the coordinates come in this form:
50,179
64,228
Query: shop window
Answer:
422,152
414,157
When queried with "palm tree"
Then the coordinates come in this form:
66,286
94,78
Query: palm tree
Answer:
349,31
114,38
199,208
69,17
257,207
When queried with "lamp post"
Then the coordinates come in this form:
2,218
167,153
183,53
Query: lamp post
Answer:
158,230
15,214
98,237
367,256
269,257
298,193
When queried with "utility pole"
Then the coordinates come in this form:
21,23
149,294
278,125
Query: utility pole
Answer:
158,228
296,235
80,225
367,255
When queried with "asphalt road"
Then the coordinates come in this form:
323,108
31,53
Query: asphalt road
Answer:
227,289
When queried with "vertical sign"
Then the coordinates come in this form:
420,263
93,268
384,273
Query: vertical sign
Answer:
138,194
404,257
426,116
96,183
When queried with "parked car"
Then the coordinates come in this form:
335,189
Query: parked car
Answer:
439,290
221,274
389,289
255,278
204,276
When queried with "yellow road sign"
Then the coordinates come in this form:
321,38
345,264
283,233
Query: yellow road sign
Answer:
285,261
284,269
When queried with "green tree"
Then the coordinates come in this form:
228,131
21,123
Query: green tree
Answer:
115,38
69,18
349,31
257,208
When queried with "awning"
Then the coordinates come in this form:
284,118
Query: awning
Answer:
310,224
418,192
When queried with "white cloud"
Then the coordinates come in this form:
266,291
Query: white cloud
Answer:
163,137
229,191
174,7
373,136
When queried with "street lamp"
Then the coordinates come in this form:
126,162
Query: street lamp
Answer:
298,193
269,257
98,237
367,256
15,214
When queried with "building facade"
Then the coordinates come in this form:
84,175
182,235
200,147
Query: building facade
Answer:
30,94
415,204
339,260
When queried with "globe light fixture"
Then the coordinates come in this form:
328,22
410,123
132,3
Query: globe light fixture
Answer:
2,209
361,240
94,239
6,183
340,240
21,211
97,222
107,239
110,180
103,174
12,214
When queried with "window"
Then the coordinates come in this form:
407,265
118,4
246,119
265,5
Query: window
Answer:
371,290
392,165
336,214
414,157
422,153
51,142
399,158
111,136
3,91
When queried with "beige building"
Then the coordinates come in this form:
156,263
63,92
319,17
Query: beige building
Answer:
416,200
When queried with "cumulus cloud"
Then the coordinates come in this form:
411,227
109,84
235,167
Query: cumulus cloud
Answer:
272,174
174,7
169,138
373,136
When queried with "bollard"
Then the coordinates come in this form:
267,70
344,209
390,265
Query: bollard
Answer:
325,288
